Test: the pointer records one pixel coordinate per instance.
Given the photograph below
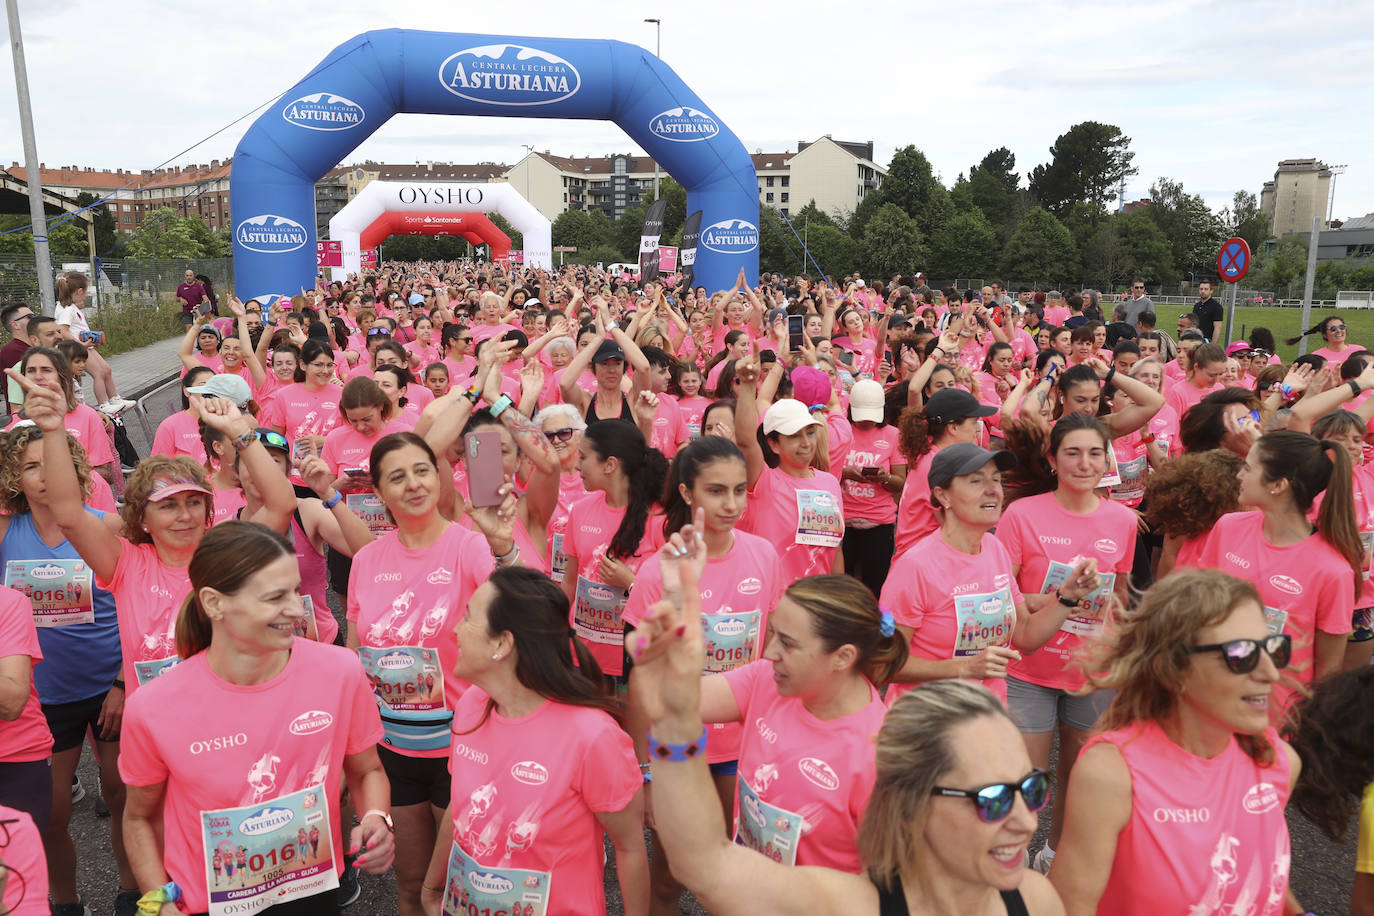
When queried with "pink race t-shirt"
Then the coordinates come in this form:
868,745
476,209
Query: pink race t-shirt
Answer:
26,737
670,433
598,609
102,497
424,354
1305,587
692,409
481,332
1205,835
738,591
345,447
570,490
1045,540
957,604
24,856
178,435
299,411
228,502
868,499
264,749
803,517
864,360
404,604
148,596
915,514
87,428
1335,359
1133,467
803,781
1165,427
526,793
1184,394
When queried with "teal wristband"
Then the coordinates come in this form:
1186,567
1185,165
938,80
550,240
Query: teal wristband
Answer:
500,406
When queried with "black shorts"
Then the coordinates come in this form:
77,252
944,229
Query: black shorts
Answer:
68,722
27,787
416,780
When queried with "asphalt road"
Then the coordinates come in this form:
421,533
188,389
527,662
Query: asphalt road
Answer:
1323,872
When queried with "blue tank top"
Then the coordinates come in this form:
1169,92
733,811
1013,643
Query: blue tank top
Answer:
80,660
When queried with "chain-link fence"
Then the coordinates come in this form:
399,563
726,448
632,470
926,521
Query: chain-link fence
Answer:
116,284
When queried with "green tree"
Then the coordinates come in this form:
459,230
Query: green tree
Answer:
582,229
811,215
1245,219
211,243
1283,269
778,251
858,220
966,246
1127,245
993,187
676,213
834,250
1194,232
892,243
911,185
1087,164
1040,249
625,238
106,236
163,235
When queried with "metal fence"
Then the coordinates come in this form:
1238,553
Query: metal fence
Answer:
121,282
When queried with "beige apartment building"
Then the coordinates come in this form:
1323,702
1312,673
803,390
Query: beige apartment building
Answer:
1299,192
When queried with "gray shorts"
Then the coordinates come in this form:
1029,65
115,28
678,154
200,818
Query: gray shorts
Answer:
1038,709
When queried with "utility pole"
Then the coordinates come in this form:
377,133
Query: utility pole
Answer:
658,48
42,261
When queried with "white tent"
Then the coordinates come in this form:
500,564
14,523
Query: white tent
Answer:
380,197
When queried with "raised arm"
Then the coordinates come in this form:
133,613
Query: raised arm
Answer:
337,526
250,356
747,419
1145,401
278,497
186,350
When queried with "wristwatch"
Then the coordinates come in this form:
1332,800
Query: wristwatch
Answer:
386,818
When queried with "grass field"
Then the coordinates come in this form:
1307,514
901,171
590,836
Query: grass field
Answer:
1284,324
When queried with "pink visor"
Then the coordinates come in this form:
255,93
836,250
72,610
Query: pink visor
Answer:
166,487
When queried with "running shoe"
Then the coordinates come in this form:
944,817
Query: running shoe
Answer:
78,790
126,903
349,889
1042,862
114,407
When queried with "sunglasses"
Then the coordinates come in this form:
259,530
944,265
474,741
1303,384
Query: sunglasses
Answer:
272,439
1243,655
561,435
373,332
1335,327
1257,354
994,802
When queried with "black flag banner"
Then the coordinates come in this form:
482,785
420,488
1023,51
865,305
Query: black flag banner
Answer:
648,241
691,231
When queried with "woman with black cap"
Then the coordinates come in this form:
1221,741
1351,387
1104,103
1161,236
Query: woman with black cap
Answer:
954,594
610,353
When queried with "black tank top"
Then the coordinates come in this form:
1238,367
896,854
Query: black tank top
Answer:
892,902
625,413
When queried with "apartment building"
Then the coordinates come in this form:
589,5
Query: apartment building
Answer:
1298,194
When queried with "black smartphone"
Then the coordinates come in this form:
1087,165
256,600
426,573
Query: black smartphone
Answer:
796,331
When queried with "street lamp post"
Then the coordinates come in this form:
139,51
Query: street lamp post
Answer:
658,49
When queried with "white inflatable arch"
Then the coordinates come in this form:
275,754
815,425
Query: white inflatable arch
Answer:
380,197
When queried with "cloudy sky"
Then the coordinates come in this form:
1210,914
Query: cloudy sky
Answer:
1212,94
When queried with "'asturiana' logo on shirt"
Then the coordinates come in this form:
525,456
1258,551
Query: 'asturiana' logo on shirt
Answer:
1286,584
47,571
1260,797
440,576
683,125
509,75
730,236
265,820
600,593
819,772
530,772
489,883
1105,545
268,233
396,660
749,586
311,721
731,627
324,111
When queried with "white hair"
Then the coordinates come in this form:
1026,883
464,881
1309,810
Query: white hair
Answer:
564,411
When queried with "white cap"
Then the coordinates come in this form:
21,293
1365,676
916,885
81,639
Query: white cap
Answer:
787,416
866,401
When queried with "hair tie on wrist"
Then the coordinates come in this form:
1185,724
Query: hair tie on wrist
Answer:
888,625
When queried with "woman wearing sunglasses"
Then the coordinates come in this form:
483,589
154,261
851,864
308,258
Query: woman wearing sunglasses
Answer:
563,426
1336,348
944,830
1307,579
1178,806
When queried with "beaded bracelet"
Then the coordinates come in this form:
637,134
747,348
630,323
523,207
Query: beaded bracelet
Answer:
661,750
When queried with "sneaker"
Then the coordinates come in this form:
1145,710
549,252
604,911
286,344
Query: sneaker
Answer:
78,790
349,889
70,909
122,404
1042,862
126,903
126,469
114,407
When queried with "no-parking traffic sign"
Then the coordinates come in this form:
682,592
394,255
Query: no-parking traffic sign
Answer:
1233,261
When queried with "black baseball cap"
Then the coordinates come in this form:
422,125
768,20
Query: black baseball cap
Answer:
964,458
949,404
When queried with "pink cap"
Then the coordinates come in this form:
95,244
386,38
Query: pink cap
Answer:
1238,346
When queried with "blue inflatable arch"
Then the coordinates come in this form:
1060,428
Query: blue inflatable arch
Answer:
365,81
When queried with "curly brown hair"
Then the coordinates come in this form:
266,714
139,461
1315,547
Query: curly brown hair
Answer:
1190,492
140,485
12,446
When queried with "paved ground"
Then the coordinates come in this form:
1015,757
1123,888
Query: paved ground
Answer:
1322,871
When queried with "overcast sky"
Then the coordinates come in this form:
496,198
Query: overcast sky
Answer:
1212,94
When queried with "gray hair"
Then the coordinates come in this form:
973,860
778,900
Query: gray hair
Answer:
563,343
566,412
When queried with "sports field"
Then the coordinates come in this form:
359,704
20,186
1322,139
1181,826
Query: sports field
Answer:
1284,324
